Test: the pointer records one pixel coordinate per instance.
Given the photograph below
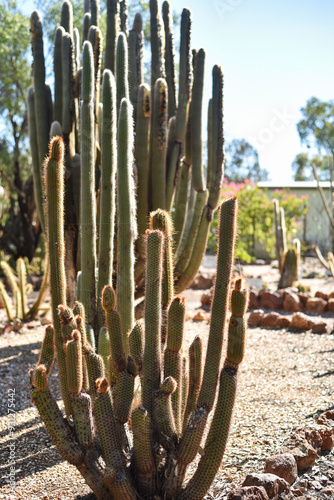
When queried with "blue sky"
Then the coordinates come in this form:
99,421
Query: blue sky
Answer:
275,55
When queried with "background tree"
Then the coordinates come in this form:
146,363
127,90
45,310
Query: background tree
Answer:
19,226
302,167
242,162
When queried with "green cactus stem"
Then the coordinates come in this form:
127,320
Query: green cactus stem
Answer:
173,356
135,42
57,68
123,14
160,219
290,264
22,276
196,122
54,186
88,220
123,396
169,58
47,354
95,368
195,377
87,21
114,325
33,140
41,107
237,324
127,228
7,302
136,342
40,378
112,33
159,144
104,347
225,259
83,419
152,350
66,19
122,84
74,364
95,12
58,427
142,452
163,413
108,182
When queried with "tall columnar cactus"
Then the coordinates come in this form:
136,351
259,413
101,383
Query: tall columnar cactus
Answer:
99,389
167,143
280,232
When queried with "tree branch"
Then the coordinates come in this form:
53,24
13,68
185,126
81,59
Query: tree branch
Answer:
322,194
12,185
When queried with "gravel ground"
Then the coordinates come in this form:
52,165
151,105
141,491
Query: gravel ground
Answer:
285,379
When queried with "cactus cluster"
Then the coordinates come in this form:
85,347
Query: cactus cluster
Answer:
159,159
126,450
142,208
18,307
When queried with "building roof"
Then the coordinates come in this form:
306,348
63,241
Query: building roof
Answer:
293,184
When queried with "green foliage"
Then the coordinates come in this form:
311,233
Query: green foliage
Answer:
242,162
302,167
256,218
316,129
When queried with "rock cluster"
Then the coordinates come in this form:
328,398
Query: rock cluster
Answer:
283,474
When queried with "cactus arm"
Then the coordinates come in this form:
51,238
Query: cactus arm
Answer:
22,276
104,347
33,139
123,396
215,167
95,12
41,108
111,36
74,364
225,259
169,58
6,300
54,186
195,378
95,369
185,83
57,69
142,452
196,122
108,181
66,18
160,219
163,414
159,145
68,84
199,248
184,254
86,24
122,84
135,60
157,43
181,202
77,49
47,354
173,356
142,161
152,350
114,325
127,230
136,342
88,220
83,419
123,14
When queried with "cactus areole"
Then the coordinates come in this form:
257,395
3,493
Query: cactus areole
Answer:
136,404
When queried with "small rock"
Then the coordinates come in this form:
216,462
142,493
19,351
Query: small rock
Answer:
46,320
255,318
283,322
271,319
326,418
207,297
303,297
327,436
201,316
273,484
201,281
292,302
248,493
271,301
330,305
284,466
304,454
321,295
319,327
253,300
316,305
17,324
301,321
331,295
33,324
